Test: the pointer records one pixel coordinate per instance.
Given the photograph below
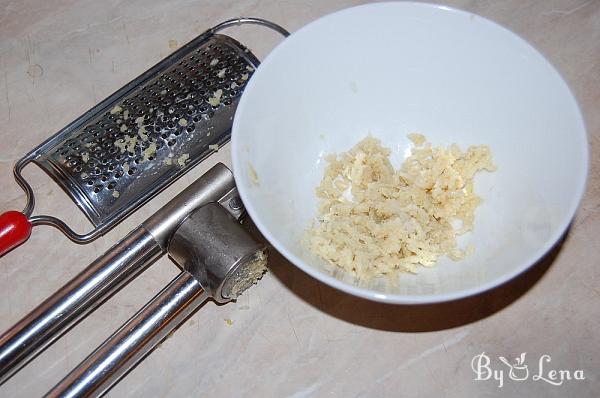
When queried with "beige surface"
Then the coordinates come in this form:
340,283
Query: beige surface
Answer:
290,336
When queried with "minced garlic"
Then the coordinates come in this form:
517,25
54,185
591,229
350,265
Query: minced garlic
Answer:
183,159
216,98
252,174
149,152
143,133
375,220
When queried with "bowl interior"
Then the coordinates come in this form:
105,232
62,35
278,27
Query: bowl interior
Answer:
390,69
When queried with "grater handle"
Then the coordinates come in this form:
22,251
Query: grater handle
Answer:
15,228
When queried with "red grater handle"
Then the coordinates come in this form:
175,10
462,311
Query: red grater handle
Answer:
15,229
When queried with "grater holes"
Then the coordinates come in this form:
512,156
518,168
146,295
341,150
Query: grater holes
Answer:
190,128
111,185
131,171
103,178
98,188
171,142
90,182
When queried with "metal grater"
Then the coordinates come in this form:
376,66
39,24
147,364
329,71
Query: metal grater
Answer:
125,150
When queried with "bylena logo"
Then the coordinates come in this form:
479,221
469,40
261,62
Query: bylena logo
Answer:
519,371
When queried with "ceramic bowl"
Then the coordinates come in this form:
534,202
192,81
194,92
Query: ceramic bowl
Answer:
390,69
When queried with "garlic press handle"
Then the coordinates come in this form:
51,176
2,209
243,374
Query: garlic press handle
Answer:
110,362
109,273
220,260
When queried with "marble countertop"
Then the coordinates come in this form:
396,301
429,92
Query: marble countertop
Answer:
290,336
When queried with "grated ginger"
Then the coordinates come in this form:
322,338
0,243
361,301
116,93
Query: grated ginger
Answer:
375,220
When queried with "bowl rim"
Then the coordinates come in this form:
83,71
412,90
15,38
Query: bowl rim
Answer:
410,299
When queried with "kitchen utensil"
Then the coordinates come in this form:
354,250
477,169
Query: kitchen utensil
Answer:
125,150
395,68
220,261
131,256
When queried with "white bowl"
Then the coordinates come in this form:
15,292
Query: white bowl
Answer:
395,68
